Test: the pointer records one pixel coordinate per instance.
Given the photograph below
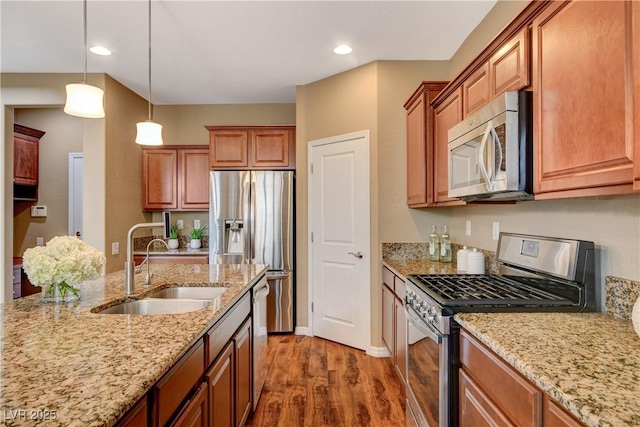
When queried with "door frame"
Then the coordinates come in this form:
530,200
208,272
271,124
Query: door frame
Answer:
71,201
364,135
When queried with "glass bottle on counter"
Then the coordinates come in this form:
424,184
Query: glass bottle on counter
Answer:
434,245
445,246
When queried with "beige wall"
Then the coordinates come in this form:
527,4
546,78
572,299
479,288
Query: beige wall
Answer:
123,169
63,136
185,124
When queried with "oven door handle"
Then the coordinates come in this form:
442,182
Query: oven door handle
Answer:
422,326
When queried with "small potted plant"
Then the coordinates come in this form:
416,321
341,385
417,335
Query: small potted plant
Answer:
196,236
173,243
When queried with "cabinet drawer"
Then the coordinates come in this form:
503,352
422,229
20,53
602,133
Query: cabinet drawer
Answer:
176,385
220,334
399,287
520,400
388,278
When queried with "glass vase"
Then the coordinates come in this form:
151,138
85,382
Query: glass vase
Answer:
60,292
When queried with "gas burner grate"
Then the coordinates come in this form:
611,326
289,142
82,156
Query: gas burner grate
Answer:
451,290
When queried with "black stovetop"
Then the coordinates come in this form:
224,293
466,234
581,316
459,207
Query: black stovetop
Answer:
469,291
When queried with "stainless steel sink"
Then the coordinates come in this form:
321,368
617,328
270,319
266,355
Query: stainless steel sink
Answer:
157,306
202,293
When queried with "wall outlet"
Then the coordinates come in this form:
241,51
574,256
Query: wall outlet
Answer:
467,228
496,230
40,241
196,223
115,248
180,224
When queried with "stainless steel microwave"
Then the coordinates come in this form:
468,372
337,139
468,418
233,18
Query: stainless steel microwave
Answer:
491,152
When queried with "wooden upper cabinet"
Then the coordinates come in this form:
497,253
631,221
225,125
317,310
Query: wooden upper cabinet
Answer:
584,98
26,143
228,148
635,66
270,148
447,114
510,68
252,147
194,179
475,90
159,179
176,178
420,137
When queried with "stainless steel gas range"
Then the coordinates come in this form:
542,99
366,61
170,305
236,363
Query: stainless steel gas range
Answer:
535,274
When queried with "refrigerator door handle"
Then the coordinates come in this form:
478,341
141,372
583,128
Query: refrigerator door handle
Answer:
279,274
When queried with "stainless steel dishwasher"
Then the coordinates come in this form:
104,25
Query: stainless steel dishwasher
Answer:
260,292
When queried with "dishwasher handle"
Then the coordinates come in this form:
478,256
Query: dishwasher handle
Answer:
261,292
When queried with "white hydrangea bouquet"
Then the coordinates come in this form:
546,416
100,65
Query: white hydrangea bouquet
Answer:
60,266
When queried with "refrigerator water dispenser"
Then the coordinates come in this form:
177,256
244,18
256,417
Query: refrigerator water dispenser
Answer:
234,237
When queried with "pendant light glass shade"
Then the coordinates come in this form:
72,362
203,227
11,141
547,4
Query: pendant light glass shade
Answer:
84,100
149,133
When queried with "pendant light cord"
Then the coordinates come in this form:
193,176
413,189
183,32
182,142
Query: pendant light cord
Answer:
84,41
149,60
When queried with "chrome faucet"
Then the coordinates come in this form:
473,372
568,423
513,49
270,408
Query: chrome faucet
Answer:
129,266
147,279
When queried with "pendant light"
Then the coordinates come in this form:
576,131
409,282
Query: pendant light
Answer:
84,100
149,132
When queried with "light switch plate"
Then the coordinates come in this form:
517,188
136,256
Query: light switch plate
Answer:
496,230
39,241
196,223
180,224
468,228
115,248
38,211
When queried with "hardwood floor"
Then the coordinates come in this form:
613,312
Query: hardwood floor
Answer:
315,382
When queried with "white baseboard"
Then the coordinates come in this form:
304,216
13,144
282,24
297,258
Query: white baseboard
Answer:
378,351
303,330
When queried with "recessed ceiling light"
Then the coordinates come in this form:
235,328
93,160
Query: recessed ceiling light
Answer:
100,50
343,49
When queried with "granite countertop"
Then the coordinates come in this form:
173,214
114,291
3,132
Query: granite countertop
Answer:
588,362
405,267
91,368
160,251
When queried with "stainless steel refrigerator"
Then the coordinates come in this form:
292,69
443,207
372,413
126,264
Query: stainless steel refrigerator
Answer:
251,216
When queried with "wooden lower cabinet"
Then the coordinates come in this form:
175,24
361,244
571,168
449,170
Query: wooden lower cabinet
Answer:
221,385
394,321
243,368
195,413
138,416
493,393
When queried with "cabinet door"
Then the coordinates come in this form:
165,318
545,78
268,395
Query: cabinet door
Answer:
160,179
220,379
401,339
195,412
416,153
509,67
447,115
269,148
476,408
137,416
228,149
243,367
194,179
475,90
25,160
583,117
553,415
635,66
387,319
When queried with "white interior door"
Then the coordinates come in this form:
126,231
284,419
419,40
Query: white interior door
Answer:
339,217
75,194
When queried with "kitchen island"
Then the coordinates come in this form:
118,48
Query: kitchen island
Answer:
588,362
65,364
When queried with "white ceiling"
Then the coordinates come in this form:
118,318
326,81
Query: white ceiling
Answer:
229,52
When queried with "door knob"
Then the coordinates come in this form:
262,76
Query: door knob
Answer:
358,255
